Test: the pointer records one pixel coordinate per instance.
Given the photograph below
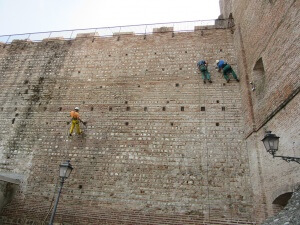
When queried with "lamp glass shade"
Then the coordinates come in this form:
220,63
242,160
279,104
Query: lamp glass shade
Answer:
65,169
271,142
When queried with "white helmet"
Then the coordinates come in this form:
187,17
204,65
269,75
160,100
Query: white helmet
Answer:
76,108
217,61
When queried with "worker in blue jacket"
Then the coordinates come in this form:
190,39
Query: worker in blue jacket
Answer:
227,69
202,66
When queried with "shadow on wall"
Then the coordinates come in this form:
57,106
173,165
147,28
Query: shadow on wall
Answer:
7,191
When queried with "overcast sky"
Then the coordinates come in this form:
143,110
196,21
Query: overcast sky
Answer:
24,16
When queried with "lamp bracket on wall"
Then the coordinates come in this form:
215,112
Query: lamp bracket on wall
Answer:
288,158
271,142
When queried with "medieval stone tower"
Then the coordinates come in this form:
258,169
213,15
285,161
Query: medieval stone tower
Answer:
160,146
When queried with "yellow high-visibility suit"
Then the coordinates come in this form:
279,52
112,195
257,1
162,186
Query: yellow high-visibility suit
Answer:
75,122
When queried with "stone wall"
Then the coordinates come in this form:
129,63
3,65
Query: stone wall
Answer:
159,147
266,37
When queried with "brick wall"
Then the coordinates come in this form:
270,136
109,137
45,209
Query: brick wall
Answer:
265,38
160,146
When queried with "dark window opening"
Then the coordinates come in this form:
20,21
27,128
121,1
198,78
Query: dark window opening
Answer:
202,108
182,108
164,108
223,108
217,124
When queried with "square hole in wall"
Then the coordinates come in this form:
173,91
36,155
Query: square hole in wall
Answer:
126,123
110,108
202,108
182,108
164,108
218,101
223,108
145,109
127,108
217,124
177,85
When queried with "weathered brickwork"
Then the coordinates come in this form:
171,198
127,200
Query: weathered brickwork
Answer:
266,38
160,147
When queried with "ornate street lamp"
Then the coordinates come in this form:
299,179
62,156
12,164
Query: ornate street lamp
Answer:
271,142
65,170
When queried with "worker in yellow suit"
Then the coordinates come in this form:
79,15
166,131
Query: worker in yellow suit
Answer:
75,121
